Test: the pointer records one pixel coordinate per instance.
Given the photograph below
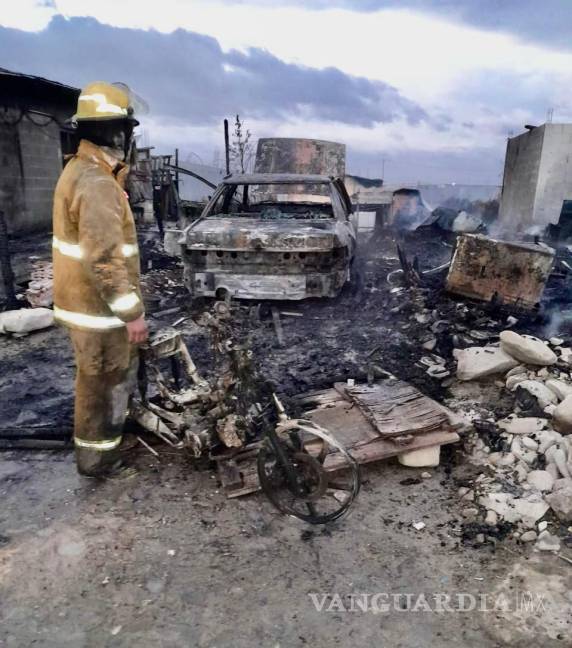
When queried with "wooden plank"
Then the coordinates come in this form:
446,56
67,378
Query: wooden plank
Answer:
409,421
381,449
365,453
395,408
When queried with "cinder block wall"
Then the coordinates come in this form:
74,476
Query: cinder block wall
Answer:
41,154
11,174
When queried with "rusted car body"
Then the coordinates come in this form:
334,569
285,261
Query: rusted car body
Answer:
271,236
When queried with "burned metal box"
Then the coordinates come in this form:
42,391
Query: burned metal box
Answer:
489,270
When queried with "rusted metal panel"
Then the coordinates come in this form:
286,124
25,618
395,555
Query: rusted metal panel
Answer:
298,155
512,273
276,235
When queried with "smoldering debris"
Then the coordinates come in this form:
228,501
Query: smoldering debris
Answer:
399,323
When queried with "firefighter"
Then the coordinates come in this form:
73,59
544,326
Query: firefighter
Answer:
97,294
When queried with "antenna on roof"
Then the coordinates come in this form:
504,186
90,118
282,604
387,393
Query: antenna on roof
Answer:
549,115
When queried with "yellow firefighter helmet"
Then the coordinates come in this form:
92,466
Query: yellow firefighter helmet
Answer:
100,101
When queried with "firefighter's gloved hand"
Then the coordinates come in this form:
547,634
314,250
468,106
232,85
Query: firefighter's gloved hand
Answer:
137,330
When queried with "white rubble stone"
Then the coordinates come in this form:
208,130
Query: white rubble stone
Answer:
556,341
560,482
418,526
565,354
497,502
463,490
528,536
512,382
529,443
543,395
522,469
423,458
527,425
508,459
26,320
522,453
529,512
549,410
562,417
542,526
519,370
561,503
540,480
492,518
559,458
514,509
547,438
429,345
426,475
470,513
478,362
547,542
527,349
552,468
495,457
559,387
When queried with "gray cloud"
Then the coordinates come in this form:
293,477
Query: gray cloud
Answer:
547,22
187,76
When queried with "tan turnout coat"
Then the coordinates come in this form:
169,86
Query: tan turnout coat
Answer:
96,258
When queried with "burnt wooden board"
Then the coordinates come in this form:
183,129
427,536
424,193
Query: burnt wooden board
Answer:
241,477
395,408
346,420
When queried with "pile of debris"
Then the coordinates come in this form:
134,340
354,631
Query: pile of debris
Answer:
526,457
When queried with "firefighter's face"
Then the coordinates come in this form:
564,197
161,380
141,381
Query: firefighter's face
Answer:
119,140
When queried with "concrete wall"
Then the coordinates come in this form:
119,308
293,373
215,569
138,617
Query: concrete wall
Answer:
11,174
522,166
30,164
555,174
42,159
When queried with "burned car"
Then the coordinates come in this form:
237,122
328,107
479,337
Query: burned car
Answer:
271,236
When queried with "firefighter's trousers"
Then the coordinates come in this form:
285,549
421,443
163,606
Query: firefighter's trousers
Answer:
106,374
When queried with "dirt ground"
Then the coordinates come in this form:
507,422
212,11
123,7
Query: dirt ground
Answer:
160,557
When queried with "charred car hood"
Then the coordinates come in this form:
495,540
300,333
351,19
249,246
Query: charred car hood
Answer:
279,235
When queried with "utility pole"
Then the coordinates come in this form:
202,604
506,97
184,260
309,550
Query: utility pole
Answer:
226,147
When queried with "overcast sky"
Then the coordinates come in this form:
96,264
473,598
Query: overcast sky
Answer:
433,87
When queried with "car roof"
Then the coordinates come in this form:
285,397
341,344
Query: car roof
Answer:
276,178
